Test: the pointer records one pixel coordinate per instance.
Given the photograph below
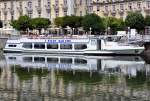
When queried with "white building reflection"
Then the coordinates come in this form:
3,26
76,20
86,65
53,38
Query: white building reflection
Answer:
49,77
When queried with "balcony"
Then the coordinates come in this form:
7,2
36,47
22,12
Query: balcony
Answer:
38,8
29,10
4,10
106,12
48,8
139,9
11,11
56,7
121,11
147,9
113,12
20,10
76,6
64,7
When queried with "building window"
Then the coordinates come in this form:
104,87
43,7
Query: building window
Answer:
121,7
65,13
5,5
20,4
56,2
148,4
130,6
48,3
65,2
20,8
39,3
106,8
57,13
113,7
80,2
30,4
98,8
80,13
139,4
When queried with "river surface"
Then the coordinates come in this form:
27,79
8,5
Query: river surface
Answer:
42,77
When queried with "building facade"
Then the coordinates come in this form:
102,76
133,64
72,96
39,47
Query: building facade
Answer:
12,9
120,8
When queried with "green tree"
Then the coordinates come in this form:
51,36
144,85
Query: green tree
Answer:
22,24
39,23
114,24
15,24
135,20
58,21
147,20
94,22
72,21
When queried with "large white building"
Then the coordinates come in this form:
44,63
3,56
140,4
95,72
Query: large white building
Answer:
12,9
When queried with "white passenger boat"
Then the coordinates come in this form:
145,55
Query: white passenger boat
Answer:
102,45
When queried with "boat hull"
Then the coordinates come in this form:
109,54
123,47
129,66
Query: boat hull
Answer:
87,52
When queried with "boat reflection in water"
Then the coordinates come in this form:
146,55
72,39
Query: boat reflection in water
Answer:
51,77
127,65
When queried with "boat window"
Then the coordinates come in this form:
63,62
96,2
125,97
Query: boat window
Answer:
52,46
39,45
52,60
109,39
65,46
93,42
66,60
12,45
27,45
117,38
12,58
80,46
39,59
27,59
80,61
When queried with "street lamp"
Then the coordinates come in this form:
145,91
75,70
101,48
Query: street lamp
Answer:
108,31
129,34
73,31
90,30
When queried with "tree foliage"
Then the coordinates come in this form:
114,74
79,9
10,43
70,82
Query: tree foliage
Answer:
94,22
58,21
22,24
15,24
147,20
71,21
25,22
135,20
39,23
114,24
